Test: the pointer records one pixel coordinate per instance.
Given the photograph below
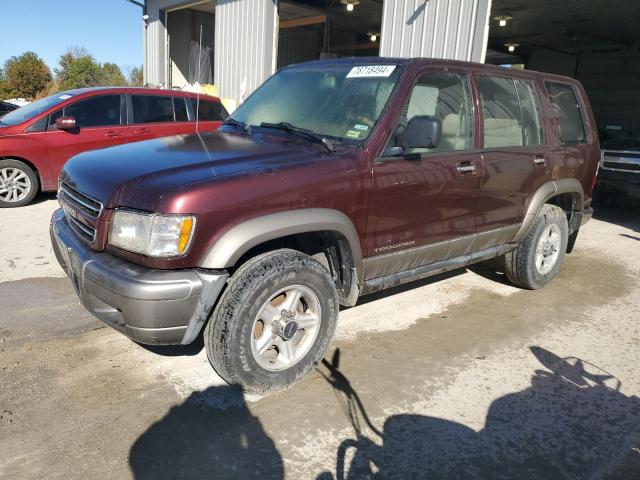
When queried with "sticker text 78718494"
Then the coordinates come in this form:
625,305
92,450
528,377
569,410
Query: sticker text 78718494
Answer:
371,71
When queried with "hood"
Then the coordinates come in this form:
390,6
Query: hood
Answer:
136,175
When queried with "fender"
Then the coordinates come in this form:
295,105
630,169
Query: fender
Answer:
238,240
543,194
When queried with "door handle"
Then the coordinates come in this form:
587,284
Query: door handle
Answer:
539,160
141,131
112,134
466,167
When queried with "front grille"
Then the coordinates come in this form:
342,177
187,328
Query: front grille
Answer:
629,167
79,201
73,202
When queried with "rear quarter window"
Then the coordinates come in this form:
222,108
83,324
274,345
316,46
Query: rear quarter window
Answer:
568,112
209,111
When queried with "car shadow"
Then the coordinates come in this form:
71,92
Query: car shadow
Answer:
44,197
197,441
573,422
194,348
624,214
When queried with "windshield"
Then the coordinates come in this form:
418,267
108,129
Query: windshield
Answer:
27,112
339,101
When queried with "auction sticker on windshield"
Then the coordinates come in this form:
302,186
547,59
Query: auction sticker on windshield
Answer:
371,71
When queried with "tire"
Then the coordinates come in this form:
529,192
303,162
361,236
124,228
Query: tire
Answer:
17,193
236,330
521,267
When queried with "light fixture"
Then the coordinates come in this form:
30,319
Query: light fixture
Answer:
503,19
373,36
350,4
511,46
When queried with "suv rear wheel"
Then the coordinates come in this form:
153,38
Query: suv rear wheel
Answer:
538,257
274,321
18,184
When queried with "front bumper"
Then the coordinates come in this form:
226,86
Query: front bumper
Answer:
150,306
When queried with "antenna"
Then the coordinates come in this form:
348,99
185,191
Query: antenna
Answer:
199,80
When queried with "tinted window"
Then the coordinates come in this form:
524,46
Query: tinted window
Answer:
180,107
501,112
567,110
152,109
38,126
98,111
209,111
530,109
446,97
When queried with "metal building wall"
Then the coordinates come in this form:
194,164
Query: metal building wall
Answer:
154,69
453,29
245,45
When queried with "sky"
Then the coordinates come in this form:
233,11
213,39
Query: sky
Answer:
111,30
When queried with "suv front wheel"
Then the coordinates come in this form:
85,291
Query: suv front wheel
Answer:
538,257
274,322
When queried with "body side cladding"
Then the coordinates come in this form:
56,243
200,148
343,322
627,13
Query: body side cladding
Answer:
543,194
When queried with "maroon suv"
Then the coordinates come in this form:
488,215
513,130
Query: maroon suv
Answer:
335,179
37,139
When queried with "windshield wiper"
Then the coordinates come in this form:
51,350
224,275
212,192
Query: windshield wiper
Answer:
303,132
237,123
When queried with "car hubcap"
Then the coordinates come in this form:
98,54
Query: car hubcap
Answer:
548,249
14,184
286,328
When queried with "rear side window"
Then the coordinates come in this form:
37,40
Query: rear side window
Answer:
567,110
180,108
530,109
152,109
98,111
209,111
508,120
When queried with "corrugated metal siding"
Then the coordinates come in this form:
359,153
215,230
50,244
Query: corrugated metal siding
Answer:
453,29
246,45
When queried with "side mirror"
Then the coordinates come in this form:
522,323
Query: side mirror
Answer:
422,131
66,123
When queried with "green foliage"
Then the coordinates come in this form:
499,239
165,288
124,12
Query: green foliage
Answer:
24,76
112,76
136,77
78,69
29,77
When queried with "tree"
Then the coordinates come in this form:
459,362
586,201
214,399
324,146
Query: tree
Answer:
78,69
136,77
112,76
24,76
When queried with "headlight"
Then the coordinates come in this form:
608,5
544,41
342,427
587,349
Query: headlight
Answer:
151,235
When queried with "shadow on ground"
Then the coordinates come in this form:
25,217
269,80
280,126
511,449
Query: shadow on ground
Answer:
197,441
571,423
625,213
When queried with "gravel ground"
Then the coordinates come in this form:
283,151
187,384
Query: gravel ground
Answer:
458,376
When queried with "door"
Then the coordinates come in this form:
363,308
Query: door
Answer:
423,201
100,123
154,116
514,154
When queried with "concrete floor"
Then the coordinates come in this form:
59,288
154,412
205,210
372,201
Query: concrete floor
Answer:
458,376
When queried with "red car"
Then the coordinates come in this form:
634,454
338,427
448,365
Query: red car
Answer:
37,139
